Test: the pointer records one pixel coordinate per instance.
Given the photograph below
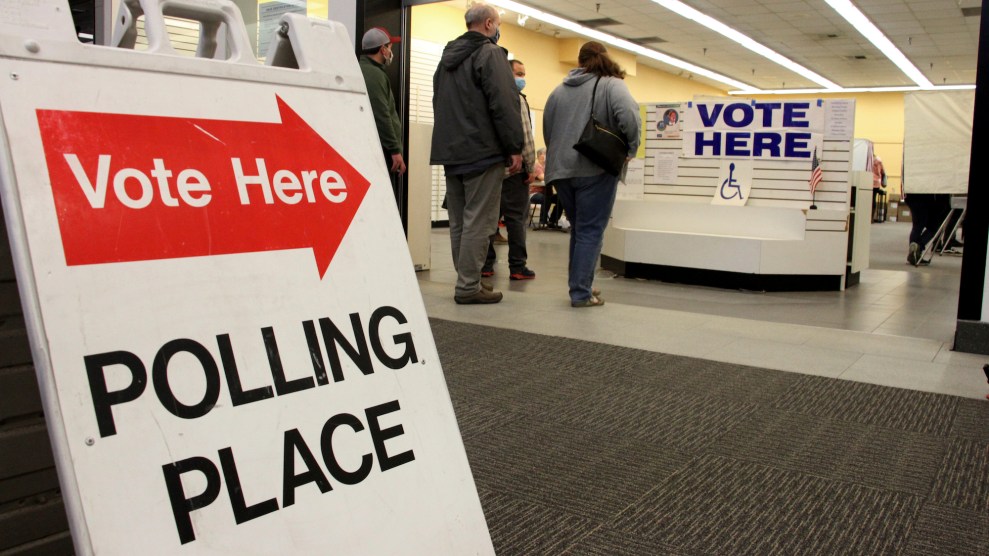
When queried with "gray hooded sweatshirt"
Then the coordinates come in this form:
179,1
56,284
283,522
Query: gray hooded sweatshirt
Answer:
566,114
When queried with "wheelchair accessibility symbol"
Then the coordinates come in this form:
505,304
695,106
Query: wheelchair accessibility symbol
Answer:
731,184
734,185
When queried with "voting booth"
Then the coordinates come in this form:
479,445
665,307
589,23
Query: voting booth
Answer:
740,193
232,349
937,141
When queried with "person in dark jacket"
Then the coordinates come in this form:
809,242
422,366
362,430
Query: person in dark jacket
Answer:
477,133
376,53
587,191
515,195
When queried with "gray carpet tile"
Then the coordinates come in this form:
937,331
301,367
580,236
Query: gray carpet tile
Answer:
526,529
708,378
736,383
521,355
685,421
584,448
542,397
868,455
609,542
972,420
963,480
483,383
533,372
941,530
871,404
723,506
572,469
476,419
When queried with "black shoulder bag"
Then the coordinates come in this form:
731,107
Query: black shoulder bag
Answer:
604,146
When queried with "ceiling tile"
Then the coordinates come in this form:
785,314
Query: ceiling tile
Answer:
806,31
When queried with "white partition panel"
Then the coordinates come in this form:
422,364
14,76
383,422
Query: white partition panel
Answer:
776,232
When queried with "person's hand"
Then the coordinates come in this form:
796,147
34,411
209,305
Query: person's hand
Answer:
529,178
397,164
515,163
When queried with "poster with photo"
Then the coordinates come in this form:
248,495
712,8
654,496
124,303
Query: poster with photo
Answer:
668,118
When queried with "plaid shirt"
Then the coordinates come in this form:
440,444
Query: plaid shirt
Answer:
528,144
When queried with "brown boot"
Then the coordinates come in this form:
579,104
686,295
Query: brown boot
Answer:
482,296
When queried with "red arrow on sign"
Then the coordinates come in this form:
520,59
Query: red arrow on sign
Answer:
135,188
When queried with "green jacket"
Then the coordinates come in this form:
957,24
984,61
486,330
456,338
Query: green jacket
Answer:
382,105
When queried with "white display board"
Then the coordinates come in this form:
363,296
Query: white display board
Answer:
727,189
937,141
780,138
230,338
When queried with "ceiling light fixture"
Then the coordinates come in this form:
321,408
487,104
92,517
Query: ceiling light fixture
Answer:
900,89
620,43
741,88
862,24
713,24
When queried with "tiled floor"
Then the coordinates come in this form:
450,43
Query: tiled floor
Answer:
894,328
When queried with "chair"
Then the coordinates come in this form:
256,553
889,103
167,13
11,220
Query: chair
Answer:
535,205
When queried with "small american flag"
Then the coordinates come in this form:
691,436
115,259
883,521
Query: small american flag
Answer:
815,173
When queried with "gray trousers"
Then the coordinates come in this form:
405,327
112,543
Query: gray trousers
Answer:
473,202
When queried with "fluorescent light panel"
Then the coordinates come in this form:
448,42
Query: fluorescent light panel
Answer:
618,42
903,89
861,23
713,24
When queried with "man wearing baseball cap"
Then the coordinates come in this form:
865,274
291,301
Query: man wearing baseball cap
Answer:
376,53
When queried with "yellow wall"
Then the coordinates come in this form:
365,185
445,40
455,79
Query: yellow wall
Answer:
437,23
878,116
319,9
541,54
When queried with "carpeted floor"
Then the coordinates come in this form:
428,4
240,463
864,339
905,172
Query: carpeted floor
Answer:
583,448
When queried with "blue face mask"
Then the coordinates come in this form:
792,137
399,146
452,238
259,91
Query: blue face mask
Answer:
496,36
520,82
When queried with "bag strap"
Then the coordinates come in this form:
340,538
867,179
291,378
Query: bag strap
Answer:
593,93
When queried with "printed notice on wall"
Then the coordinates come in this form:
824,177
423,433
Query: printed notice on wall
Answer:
269,15
632,186
840,122
665,167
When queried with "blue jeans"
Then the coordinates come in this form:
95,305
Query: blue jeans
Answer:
588,202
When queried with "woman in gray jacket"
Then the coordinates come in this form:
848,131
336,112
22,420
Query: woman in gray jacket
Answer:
585,190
